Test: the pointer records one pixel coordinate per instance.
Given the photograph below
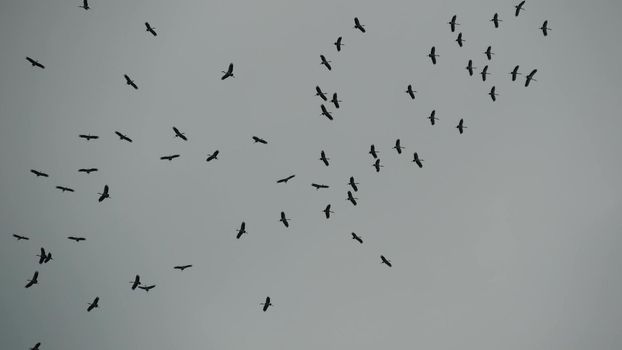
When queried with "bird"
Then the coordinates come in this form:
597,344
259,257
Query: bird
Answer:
461,126
519,7
93,305
212,156
495,20
33,280
373,152
358,25
351,198
150,29
453,24
170,158
335,100
327,211
489,53
377,165
484,72
48,258
410,91
357,238
259,140
325,112
529,77
130,82
179,134
136,282
398,147
43,257
228,73
266,304
85,5
353,184
39,173
36,347
417,160
338,44
87,170
285,179
318,92
65,189
88,137
325,62
20,237
284,219
35,63
323,158
492,94
123,137
470,67
544,28
104,194
147,288
433,54
181,267
318,186
385,261
241,230
514,73
76,239
459,39
433,117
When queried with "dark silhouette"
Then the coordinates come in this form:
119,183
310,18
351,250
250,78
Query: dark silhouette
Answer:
327,211
241,230
182,267
85,5
544,28
338,44
470,67
453,24
484,73
169,158
492,94
353,184
495,19
266,304
95,303
259,140
104,194
150,29
410,91
318,92
39,173
325,62
284,219
398,146
318,186
87,170
529,77
88,137
130,82
335,100
284,180
35,63
323,158
36,347
358,25
123,137
433,54
33,280
377,165
76,239
519,7
147,288
212,156
433,117
180,134
228,73
351,198
373,152
461,126
325,112
459,39
19,237
43,257
65,189
417,160
136,282
489,53
357,238
514,73
385,261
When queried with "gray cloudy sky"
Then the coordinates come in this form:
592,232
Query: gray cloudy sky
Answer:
507,238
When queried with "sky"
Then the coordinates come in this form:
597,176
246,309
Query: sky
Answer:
507,237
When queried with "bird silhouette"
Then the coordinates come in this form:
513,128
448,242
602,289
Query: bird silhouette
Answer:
65,189
519,7
130,82
180,134
123,137
377,165
93,305
318,92
88,137
325,112
514,73
34,280
417,160
228,73
335,100
327,211
284,180
492,94
398,146
489,53
136,282
410,91
433,117
433,54
20,237
351,198
495,20
529,77
241,230
213,156
338,44
170,157
85,5
150,29
470,67
453,24
373,152
104,194
459,39
358,25
266,304
544,28
39,173
323,158
76,239
259,140
147,288
182,267
35,63
357,238
318,186
484,72
353,184
284,219
325,62
461,126
87,170
385,261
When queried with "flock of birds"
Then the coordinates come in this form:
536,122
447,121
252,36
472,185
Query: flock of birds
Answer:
46,256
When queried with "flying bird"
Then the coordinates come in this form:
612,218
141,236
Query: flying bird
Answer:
65,189
39,173
318,186
325,62
104,194
95,303
529,77
335,100
385,261
266,304
398,146
284,219
284,180
318,92
85,5
76,239
484,73
228,73
169,158
489,53
241,230
470,67
492,94
327,211
377,165
150,29
147,288
358,25
519,7
417,160
514,73
357,238
323,158
136,282
259,140
338,44
351,198
495,19
213,155
373,152
453,24
180,134
410,91
36,347
87,170
433,117
353,184
459,39
130,82
88,137
544,28
461,126
181,267
123,137
433,54
42,256
325,112
35,63
19,237
33,280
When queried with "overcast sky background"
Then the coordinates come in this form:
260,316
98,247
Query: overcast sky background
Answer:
509,237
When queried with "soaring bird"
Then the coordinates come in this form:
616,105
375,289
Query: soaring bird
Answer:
357,238
76,239
377,165
147,288
484,73
410,91
36,347
327,211
181,267
519,7
433,117
353,184
459,39
544,28
35,63
39,173
241,230
358,25
33,280
259,140
87,170
284,219
385,261
266,304
373,152
495,20
228,73
398,147
492,94
285,179
318,186
351,198
514,73
318,92
335,100
325,112
42,256
20,237
123,137
325,62
433,54
417,160
453,24
529,77
489,53
323,158
150,29
93,305
179,134
130,82
85,5
338,44
136,282
170,157
470,67
88,137
65,189
213,155
461,126
104,194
